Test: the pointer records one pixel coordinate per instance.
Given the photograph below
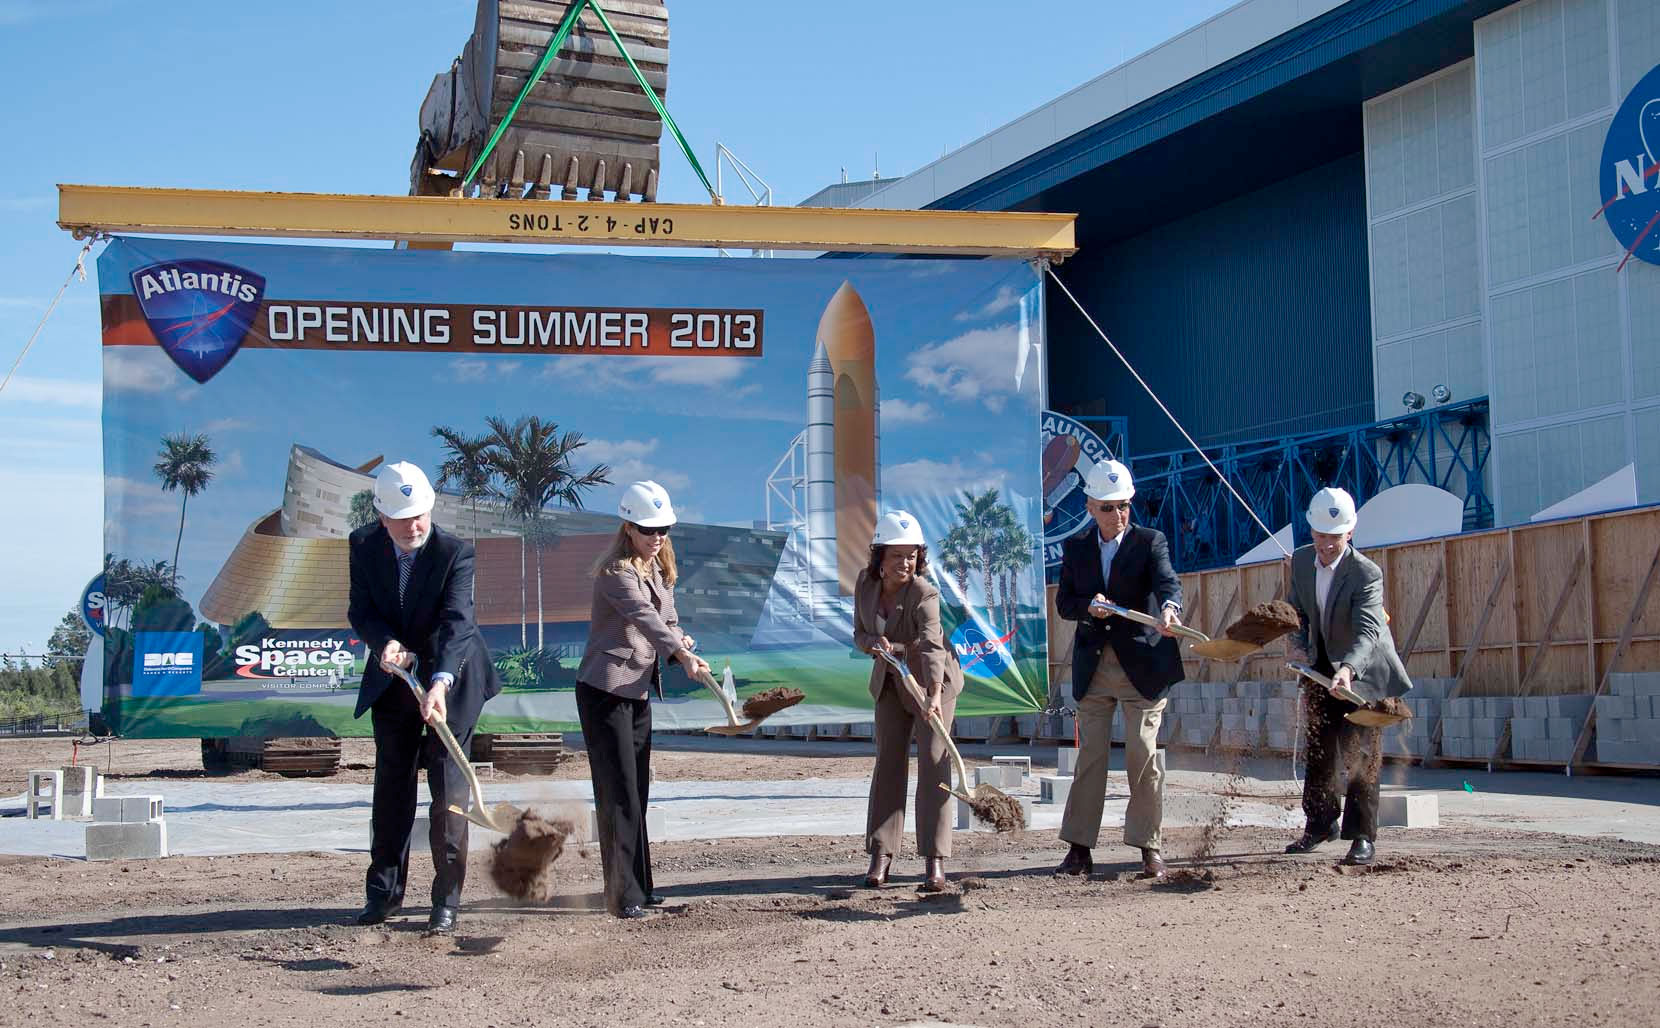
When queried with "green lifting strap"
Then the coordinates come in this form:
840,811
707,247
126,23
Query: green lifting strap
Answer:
566,24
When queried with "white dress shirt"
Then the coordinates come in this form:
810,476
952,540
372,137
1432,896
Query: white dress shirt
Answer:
1323,577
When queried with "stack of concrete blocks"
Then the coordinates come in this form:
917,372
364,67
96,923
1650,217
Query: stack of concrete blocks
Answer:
81,785
1471,725
1628,719
862,730
126,828
1546,727
1412,738
1198,708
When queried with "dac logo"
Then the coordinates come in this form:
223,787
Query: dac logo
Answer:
1630,164
980,653
1069,452
167,664
198,310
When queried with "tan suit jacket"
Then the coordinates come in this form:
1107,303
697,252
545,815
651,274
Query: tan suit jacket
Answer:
631,626
915,624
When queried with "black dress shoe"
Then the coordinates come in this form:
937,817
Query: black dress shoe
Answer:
442,921
655,900
632,913
1077,862
377,911
1309,839
1361,852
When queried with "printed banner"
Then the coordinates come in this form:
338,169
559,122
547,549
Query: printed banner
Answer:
251,391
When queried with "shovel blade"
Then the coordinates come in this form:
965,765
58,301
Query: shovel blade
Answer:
1373,718
748,726
1224,649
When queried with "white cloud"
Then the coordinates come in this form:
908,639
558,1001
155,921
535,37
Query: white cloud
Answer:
922,477
633,373
478,369
225,425
27,303
630,461
979,366
136,497
904,412
63,392
24,12
142,369
1006,297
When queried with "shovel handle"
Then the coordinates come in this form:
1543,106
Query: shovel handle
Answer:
933,719
1152,622
1345,694
708,682
447,737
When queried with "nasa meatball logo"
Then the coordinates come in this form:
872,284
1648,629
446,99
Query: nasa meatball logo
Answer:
1630,173
1069,452
980,653
199,311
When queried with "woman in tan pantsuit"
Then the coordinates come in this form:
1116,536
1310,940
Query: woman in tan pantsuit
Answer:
631,628
896,609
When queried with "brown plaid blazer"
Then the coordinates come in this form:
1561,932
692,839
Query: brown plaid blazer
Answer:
631,627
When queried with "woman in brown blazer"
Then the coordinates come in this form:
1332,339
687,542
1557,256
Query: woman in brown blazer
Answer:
632,627
895,608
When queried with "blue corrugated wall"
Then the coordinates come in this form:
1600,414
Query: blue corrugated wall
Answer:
1250,319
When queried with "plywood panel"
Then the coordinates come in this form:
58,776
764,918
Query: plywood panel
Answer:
1624,547
1473,564
1545,559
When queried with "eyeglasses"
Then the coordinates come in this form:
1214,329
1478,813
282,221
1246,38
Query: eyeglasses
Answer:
659,530
1118,507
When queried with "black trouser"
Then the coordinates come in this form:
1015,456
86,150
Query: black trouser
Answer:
403,747
1335,743
617,732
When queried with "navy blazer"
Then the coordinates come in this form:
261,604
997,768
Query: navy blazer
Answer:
1142,579
435,621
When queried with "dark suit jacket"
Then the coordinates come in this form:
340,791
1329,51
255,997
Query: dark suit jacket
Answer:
1142,579
1355,631
916,626
435,620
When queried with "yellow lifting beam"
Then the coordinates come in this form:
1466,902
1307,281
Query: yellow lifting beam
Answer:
429,220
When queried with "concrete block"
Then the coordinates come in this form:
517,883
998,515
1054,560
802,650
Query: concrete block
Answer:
863,730
800,731
45,789
1527,728
973,727
126,809
1026,726
1054,789
1568,706
126,841
964,819
1614,708
1535,707
1561,727
1066,761
1022,764
997,776
1645,683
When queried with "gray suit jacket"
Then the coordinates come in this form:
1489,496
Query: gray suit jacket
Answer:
631,625
915,625
1355,630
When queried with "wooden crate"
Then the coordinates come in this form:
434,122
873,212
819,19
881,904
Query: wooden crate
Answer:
292,757
521,753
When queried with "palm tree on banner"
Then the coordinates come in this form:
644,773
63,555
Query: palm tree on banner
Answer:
956,556
1011,554
362,510
981,518
467,467
533,460
184,463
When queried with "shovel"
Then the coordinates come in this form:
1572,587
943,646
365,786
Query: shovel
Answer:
500,819
1366,716
1200,643
733,726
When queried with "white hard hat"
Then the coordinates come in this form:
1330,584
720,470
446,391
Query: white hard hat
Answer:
1332,511
646,504
402,490
897,528
1109,480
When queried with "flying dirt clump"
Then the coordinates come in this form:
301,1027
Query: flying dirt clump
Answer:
997,808
522,865
1264,623
771,701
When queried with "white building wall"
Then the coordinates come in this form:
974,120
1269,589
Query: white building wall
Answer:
1563,346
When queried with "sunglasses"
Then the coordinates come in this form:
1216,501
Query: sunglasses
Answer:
1120,507
659,530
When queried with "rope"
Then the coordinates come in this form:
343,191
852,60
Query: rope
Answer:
78,269
1190,440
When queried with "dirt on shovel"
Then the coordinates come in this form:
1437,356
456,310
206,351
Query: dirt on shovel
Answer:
771,701
522,865
997,808
1264,623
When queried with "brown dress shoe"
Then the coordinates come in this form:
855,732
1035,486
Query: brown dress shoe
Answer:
1076,862
1152,864
933,880
877,875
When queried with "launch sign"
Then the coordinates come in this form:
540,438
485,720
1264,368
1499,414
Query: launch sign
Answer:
251,393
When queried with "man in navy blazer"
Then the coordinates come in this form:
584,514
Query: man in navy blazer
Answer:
412,605
1118,662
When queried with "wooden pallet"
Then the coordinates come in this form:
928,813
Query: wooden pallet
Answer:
292,757
521,753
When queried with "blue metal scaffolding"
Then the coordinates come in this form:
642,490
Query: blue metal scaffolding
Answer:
1179,495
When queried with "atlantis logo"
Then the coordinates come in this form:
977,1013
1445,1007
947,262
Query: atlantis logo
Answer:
198,310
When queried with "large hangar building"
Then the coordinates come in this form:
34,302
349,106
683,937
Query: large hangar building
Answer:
1300,212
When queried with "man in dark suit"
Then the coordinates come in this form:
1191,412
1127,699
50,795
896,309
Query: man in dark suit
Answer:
1118,662
1344,633
412,600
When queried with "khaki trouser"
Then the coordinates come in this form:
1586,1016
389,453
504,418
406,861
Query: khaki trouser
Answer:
885,819
1109,689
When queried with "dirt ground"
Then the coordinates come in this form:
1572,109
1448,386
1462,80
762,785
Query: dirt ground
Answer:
1452,926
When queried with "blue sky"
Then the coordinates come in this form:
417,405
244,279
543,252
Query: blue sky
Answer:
322,97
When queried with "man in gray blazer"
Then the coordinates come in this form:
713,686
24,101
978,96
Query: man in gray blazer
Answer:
1344,633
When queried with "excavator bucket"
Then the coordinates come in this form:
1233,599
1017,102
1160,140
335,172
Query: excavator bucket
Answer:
585,125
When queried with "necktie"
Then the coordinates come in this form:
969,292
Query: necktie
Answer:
406,563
